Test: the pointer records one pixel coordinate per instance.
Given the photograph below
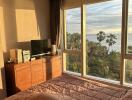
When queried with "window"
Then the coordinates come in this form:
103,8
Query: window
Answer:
73,63
73,29
128,71
73,39
103,55
129,33
128,61
104,39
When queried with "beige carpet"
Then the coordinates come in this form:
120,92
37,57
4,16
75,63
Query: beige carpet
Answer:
68,87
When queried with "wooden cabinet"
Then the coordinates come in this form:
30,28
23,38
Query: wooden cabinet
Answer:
37,71
22,76
54,67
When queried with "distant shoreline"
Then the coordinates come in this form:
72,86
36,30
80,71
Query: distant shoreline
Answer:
116,46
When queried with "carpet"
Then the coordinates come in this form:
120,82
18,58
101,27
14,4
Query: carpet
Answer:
68,87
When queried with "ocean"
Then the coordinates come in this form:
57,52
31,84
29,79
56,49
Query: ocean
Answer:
116,46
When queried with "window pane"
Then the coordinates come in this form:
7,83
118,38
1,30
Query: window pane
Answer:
104,39
73,63
128,71
73,28
129,34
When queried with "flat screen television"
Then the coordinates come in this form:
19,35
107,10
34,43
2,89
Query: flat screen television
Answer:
39,47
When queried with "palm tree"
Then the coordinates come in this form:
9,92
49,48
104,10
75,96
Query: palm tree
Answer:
101,36
111,40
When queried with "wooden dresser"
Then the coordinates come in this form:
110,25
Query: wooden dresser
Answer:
22,76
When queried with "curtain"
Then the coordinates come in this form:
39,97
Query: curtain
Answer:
56,21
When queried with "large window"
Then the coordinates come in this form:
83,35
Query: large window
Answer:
73,40
104,39
129,34
73,29
128,62
104,50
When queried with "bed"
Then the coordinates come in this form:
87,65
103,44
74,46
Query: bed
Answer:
68,87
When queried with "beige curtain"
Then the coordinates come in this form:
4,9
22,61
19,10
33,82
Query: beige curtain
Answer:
56,21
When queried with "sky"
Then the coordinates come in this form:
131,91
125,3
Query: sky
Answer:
105,16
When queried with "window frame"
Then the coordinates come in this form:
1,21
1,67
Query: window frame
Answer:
127,56
65,50
124,55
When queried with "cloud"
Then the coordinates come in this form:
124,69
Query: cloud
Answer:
129,29
106,16
73,16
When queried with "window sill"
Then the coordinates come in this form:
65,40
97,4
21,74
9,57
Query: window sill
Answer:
102,80
72,73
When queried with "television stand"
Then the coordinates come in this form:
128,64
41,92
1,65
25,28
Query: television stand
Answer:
21,76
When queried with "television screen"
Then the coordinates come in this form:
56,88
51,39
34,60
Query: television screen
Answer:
39,47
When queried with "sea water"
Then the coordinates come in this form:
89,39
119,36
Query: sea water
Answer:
116,46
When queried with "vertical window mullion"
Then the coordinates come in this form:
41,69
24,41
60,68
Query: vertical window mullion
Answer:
83,38
123,40
64,41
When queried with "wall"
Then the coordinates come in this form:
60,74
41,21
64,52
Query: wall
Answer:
20,22
2,75
23,20
2,82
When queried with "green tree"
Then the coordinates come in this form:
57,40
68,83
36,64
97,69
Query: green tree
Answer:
111,40
100,62
113,59
101,36
73,41
96,55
